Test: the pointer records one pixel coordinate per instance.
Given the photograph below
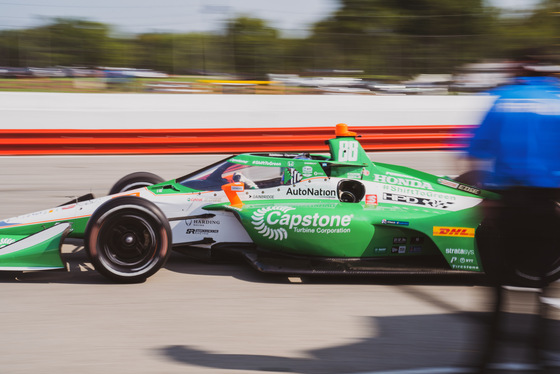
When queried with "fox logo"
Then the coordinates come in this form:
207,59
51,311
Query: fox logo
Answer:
462,232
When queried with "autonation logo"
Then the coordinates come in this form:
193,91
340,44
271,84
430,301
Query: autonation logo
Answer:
274,222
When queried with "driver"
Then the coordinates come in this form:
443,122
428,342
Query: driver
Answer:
238,177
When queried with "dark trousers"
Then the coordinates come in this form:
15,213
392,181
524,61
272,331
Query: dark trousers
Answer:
519,245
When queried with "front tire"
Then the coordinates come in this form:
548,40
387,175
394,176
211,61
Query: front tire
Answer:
134,181
128,239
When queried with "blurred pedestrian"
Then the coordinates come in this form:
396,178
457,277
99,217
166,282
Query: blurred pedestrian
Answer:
518,240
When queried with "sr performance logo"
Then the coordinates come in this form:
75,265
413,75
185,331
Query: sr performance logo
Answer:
274,222
432,203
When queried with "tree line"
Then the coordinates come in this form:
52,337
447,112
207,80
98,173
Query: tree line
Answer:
398,38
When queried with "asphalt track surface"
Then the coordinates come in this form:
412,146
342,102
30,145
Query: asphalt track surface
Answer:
194,317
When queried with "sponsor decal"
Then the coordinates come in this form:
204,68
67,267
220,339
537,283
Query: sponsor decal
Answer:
391,222
239,161
200,231
307,171
469,189
275,222
431,203
354,175
201,222
196,198
394,249
400,240
448,183
415,249
266,163
348,151
419,193
293,176
402,180
462,232
459,251
371,199
464,267
380,250
416,240
459,186
402,249
6,241
269,197
310,191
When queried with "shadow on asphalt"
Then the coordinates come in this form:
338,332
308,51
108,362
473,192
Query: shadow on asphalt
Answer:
436,343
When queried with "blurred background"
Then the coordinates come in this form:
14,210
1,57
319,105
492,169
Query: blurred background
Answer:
356,46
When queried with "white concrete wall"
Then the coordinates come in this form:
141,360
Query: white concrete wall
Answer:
159,111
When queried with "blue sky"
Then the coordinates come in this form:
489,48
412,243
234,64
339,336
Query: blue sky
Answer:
292,17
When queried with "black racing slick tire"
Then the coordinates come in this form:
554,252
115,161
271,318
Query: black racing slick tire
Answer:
526,265
473,178
135,180
128,239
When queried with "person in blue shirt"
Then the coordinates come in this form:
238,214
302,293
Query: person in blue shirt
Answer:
521,135
518,240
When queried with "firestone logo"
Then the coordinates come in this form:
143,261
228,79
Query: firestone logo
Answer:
266,221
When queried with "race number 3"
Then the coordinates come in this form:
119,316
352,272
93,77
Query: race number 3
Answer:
348,151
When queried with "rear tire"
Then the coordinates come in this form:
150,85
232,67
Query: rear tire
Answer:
128,239
505,266
473,178
134,181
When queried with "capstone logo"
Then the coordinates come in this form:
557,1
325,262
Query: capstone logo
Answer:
402,181
6,241
273,222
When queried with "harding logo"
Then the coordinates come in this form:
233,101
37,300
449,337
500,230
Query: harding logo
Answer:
265,220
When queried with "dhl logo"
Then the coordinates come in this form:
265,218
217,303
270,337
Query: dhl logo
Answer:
463,232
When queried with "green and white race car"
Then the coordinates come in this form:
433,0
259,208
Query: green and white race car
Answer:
290,213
